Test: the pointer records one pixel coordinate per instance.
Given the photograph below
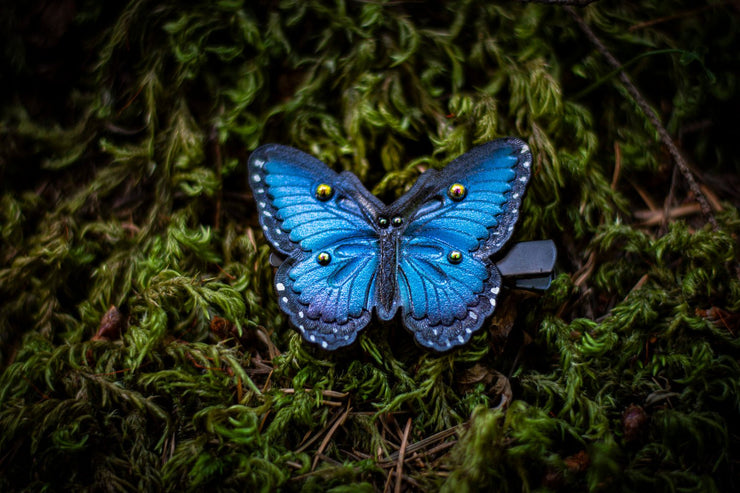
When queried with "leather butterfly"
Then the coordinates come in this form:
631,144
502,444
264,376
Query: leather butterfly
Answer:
426,255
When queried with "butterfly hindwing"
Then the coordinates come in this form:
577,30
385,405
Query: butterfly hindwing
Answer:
329,305
446,282
323,222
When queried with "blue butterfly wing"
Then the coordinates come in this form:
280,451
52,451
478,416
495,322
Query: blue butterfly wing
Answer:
444,302
328,301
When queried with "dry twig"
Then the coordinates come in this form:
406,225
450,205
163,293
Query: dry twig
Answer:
402,456
665,137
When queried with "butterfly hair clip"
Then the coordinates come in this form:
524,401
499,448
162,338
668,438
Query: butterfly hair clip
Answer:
429,255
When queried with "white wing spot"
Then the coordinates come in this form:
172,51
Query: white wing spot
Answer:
460,338
285,299
256,178
324,344
435,332
262,204
259,163
312,338
260,190
300,314
468,331
515,196
473,316
511,228
495,289
266,213
335,330
448,343
493,303
278,231
280,286
302,328
523,179
526,164
525,149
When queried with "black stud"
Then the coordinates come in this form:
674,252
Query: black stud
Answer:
323,258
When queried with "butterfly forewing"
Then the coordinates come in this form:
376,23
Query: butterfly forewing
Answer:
285,183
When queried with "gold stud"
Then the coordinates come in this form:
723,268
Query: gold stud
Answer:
324,192
455,256
457,191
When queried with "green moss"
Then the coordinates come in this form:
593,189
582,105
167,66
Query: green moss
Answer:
125,130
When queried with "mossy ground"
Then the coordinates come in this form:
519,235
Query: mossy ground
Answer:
125,212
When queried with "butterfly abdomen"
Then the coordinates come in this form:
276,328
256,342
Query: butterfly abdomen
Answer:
386,272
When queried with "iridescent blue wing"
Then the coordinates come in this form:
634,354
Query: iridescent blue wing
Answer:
323,222
456,219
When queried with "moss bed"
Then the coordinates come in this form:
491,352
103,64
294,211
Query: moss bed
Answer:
141,346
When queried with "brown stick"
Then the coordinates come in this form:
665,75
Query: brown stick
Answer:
328,436
401,456
665,137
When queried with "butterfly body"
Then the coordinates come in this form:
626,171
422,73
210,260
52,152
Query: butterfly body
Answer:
426,255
